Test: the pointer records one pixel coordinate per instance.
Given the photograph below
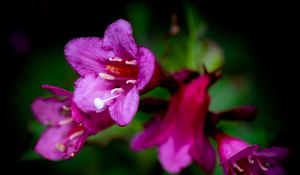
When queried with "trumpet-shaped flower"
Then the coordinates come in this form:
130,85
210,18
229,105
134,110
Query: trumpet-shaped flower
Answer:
113,70
179,132
238,157
63,137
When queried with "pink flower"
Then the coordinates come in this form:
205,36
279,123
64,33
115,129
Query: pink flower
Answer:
179,132
113,70
63,137
238,157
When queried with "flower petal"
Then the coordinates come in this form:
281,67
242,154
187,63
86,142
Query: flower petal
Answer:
174,159
57,91
277,153
87,89
54,143
86,55
278,170
146,67
156,132
93,122
118,37
125,107
203,153
48,111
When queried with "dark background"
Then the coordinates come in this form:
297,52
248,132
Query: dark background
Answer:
268,28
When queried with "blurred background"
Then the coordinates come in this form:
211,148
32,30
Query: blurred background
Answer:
254,39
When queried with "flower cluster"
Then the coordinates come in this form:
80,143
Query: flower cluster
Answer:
113,72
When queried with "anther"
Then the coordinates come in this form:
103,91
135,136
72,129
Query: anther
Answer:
235,165
118,59
60,147
72,154
261,166
250,160
116,91
131,62
66,121
66,108
76,134
106,76
131,81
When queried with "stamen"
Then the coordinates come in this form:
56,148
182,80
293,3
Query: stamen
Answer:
235,165
106,76
131,81
66,108
261,166
65,121
116,91
118,59
232,170
76,134
250,160
100,104
131,62
60,147
72,154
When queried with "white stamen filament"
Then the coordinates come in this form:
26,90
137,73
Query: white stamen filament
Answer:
116,91
106,76
66,121
118,59
131,62
60,147
76,134
250,160
131,81
235,165
261,166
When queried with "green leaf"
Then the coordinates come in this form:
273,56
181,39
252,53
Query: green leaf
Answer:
122,133
196,30
30,155
213,58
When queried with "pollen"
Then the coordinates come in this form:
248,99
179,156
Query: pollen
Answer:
113,69
123,70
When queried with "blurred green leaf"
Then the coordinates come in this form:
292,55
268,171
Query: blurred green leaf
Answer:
196,30
30,155
213,59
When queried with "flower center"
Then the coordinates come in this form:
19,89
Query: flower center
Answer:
120,69
243,166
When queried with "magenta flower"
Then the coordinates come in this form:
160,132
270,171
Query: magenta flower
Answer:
63,137
179,132
113,70
238,157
